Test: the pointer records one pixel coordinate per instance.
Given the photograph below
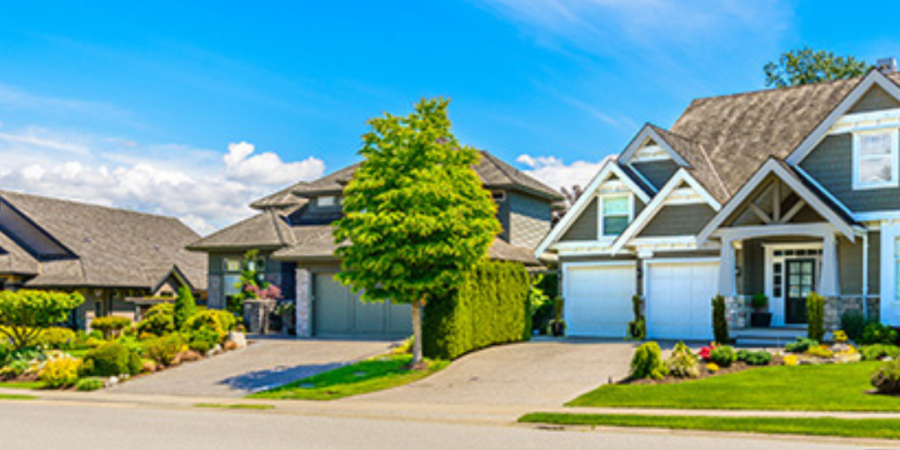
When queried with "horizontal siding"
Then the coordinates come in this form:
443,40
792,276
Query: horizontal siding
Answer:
678,220
874,100
657,172
585,226
850,263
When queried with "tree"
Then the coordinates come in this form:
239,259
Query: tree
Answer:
252,279
415,213
24,314
185,307
807,66
571,195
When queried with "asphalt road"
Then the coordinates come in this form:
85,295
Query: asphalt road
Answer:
36,426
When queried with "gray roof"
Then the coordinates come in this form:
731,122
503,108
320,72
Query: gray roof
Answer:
494,173
14,259
265,230
111,247
284,198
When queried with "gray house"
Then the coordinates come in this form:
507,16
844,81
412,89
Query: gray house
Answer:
293,233
115,258
778,192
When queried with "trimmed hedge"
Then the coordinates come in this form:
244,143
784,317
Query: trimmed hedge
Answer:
490,308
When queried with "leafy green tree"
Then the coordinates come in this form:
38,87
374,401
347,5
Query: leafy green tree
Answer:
185,306
807,66
415,213
251,281
25,313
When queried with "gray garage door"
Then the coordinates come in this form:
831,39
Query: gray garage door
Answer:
339,312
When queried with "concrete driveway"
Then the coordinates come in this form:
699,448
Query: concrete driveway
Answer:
264,364
539,373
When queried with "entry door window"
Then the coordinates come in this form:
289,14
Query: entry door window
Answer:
801,281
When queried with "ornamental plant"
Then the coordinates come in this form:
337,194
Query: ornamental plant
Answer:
706,351
723,356
185,306
720,321
637,329
110,326
647,362
159,320
416,215
887,379
683,363
24,313
815,314
60,372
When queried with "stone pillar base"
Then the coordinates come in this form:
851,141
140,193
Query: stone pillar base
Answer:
256,315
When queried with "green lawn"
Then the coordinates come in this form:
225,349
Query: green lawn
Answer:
235,406
16,397
857,428
831,387
376,374
23,385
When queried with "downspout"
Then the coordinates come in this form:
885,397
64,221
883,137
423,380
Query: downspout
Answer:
865,274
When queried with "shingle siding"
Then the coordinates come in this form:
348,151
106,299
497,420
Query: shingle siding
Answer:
529,219
678,220
874,100
831,164
585,227
657,172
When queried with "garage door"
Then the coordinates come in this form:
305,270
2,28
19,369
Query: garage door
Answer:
678,299
339,312
598,299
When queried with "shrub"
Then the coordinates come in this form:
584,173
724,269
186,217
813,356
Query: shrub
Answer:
217,321
758,358
821,351
800,345
490,308
759,301
723,356
165,350
878,352
647,362
887,379
876,333
60,372
111,359
110,326
24,313
815,316
853,323
147,336
637,329
58,338
706,350
159,320
683,363
720,322
89,384
200,346
185,307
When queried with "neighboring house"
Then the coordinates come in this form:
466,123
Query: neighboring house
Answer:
782,192
109,255
293,233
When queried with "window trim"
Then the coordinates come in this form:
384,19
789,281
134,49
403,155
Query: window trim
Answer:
333,201
601,215
894,182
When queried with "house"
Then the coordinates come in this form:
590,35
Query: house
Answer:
778,192
108,255
293,234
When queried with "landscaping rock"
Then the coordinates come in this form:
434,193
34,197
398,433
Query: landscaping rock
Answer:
148,367
190,356
112,382
239,339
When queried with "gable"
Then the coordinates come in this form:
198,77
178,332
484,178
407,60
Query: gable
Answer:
585,227
29,235
875,99
678,220
656,172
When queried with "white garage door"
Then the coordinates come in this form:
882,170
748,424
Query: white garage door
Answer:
598,299
679,297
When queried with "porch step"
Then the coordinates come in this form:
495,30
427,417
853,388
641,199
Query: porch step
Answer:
767,337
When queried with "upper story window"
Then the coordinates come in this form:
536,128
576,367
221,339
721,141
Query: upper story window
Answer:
328,201
615,214
498,196
875,159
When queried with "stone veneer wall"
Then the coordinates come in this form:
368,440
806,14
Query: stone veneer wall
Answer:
738,310
304,303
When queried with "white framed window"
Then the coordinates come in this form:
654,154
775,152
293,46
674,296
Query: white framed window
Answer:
616,213
876,159
897,270
231,264
327,201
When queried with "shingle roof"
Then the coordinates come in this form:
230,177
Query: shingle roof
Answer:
329,184
113,247
702,168
284,198
14,259
267,229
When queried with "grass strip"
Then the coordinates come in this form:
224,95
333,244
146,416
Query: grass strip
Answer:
24,385
371,375
16,397
255,406
819,426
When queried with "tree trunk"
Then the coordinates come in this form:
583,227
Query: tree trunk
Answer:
417,334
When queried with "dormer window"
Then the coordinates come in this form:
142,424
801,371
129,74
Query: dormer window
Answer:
875,159
328,201
615,214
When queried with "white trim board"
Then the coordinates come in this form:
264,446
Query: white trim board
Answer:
647,132
610,167
773,167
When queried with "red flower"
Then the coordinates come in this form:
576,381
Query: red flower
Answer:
706,351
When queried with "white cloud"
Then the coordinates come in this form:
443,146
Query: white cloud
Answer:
205,189
556,174
268,168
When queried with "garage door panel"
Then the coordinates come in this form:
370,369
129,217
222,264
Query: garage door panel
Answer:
679,299
333,306
339,312
598,299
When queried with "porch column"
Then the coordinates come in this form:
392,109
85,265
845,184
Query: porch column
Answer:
829,284
303,308
727,268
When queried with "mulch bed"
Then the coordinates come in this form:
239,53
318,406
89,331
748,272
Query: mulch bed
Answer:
738,366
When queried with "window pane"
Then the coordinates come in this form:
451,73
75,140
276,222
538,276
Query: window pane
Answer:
230,283
875,169
232,265
874,144
897,281
615,206
777,267
897,248
615,225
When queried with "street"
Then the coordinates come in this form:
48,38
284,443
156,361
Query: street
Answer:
74,426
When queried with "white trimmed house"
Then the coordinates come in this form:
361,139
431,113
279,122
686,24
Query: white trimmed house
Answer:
782,192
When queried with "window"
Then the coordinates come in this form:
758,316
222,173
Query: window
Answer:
498,196
328,201
231,265
897,270
875,160
615,215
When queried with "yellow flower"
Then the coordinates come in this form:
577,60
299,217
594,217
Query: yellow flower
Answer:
840,336
712,367
791,360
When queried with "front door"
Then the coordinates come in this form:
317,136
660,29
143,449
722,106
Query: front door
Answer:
801,276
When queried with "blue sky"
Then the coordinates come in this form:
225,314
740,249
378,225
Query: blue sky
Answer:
194,108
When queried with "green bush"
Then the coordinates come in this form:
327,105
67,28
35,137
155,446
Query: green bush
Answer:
887,379
185,307
877,333
159,320
165,350
647,362
877,352
220,322
683,363
815,317
60,372
203,339
110,326
720,321
637,328
110,359
723,356
89,384
490,308
853,323
759,301
201,347
758,358
58,338
801,345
